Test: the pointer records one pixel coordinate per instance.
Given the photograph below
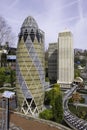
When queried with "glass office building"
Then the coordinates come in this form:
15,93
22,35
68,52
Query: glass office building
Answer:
30,68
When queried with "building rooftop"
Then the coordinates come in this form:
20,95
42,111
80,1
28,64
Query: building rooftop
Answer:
65,32
78,79
30,22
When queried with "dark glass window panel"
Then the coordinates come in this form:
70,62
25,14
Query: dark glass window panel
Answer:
25,35
32,35
38,36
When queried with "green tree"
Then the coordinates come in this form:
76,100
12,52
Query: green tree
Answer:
48,97
7,75
3,59
76,73
10,76
54,99
2,76
57,107
46,114
55,92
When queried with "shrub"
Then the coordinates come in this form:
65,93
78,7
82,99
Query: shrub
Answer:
46,114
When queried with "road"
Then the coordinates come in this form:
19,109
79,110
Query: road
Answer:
73,121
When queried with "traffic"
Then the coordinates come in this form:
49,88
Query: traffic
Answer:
72,120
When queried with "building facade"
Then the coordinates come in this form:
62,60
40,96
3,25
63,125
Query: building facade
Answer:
65,70
52,62
30,68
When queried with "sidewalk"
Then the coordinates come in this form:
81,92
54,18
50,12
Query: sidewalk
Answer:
80,104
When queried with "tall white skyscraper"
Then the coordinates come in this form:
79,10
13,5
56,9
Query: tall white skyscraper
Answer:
65,71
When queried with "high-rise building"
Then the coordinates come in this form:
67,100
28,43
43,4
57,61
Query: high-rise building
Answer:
52,62
30,68
65,71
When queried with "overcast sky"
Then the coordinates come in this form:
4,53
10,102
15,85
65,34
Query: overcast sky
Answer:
52,16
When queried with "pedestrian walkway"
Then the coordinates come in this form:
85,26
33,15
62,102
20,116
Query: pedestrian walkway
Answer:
30,123
19,121
80,104
12,127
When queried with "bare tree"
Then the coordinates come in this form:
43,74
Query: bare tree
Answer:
6,34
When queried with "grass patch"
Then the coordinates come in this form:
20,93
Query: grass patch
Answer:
82,91
79,111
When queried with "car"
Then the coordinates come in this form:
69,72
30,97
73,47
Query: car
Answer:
81,128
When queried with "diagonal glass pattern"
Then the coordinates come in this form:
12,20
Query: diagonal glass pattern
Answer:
30,71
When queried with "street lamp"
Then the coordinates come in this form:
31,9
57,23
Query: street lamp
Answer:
7,95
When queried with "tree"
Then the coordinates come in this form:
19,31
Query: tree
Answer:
2,76
48,96
46,114
6,34
10,76
3,59
57,107
76,73
54,99
7,75
76,97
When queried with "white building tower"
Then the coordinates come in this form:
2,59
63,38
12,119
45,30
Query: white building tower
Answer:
65,71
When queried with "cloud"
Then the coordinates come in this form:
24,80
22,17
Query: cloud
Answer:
56,19
51,17
80,34
80,29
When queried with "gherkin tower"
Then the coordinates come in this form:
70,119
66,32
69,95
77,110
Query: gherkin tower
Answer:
30,68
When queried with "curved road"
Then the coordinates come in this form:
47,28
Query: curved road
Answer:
73,121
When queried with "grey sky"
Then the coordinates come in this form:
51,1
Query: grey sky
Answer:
52,16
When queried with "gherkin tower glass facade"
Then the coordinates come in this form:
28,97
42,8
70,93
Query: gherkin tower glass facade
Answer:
30,68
